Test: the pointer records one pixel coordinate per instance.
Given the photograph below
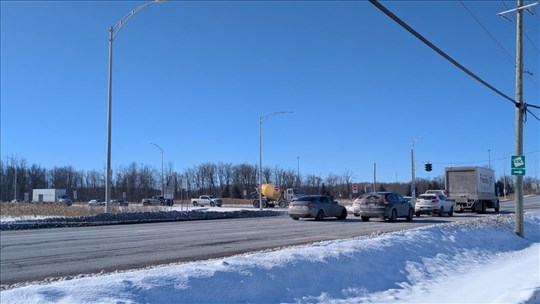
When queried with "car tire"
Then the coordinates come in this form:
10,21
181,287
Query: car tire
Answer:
282,204
319,216
417,214
365,219
410,216
451,212
212,204
256,203
356,214
441,211
195,204
343,214
393,217
295,217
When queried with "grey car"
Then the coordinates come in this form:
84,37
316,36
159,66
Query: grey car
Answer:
317,207
383,205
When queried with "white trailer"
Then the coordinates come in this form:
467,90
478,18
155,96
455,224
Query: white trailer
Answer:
471,188
48,195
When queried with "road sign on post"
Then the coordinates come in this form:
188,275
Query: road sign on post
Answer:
354,188
518,165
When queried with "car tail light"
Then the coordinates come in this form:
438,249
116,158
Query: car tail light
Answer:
310,205
435,201
418,200
385,201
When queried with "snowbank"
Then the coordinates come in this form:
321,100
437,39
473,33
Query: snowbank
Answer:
482,260
11,223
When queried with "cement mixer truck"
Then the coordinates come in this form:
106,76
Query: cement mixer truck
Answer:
272,195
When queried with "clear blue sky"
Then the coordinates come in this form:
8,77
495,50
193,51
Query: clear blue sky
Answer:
195,76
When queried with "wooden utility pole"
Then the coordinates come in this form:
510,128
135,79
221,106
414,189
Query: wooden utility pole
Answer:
520,109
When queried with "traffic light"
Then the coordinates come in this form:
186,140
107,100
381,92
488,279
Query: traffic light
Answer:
428,167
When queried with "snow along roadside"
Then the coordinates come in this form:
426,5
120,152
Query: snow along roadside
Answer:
477,261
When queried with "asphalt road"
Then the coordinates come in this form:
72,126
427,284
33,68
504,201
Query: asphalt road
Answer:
36,255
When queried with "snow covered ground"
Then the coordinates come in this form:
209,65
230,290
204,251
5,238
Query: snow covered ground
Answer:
479,261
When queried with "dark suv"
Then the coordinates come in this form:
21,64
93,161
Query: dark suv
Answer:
383,205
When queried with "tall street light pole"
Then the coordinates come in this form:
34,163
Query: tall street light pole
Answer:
113,31
161,149
261,119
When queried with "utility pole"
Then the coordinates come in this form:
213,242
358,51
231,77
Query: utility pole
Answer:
413,177
489,158
520,108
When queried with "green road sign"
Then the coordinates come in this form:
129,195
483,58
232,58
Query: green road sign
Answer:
520,172
518,165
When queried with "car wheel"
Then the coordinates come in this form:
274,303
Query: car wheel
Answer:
212,204
482,208
356,214
393,218
441,211
282,204
195,203
451,213
256,203
410,216
417,214
365,219
320,215
343,214
295,217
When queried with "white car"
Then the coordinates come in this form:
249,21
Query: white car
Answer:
433,204
96,203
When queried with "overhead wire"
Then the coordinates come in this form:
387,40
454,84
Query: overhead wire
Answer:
386,11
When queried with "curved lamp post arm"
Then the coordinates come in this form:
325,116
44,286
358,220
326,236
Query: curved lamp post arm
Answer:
118,26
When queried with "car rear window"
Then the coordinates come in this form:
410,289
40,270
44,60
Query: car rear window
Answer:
306,199
427,197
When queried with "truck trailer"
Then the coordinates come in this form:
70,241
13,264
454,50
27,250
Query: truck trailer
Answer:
48,195
471,188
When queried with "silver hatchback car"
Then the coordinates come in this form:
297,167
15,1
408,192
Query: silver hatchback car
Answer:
383,205
317,207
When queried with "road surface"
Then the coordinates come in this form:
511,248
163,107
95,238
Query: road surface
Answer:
35,255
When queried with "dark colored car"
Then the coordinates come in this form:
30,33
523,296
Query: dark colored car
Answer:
317,207
383,205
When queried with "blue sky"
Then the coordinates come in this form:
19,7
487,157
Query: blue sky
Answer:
195,76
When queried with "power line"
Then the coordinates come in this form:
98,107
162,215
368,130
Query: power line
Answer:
447,57
510,57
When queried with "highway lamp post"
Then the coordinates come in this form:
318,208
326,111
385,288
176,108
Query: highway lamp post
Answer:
113,31
162,184
261,119
298,170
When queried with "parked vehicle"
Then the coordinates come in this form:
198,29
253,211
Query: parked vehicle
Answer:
317,207
272,195
157,200
383,205
471,188
96,202
66,200
119,202
210,200
433,204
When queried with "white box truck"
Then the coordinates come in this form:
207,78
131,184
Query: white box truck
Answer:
48,195
471,188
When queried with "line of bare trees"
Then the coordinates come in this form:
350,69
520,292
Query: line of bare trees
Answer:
137,181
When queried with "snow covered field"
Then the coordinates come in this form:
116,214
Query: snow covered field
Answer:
481,261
